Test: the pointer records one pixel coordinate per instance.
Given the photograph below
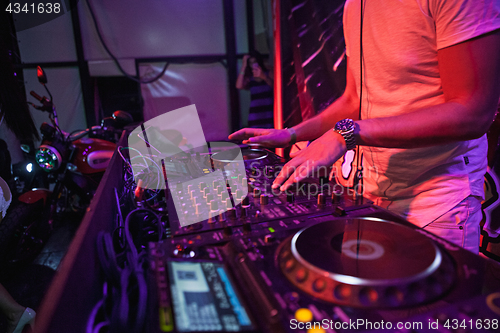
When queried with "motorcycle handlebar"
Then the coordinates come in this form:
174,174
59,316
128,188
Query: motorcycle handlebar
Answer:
34,94
81,134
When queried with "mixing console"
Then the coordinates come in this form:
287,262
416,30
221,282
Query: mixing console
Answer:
315,258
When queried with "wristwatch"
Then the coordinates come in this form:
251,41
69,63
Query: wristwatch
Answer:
345,127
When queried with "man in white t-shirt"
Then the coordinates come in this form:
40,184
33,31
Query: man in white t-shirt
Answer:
431,81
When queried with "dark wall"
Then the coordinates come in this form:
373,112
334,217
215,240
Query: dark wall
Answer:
312,42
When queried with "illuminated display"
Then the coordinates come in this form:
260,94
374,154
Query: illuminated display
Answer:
204,298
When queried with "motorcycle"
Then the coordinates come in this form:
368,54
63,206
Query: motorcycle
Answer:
74,164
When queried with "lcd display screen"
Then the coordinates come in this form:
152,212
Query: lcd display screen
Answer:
204,298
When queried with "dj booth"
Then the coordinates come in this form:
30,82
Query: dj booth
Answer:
311,259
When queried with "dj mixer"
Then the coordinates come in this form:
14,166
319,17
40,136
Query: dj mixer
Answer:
316,258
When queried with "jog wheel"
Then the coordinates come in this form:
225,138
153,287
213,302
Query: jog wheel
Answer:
366,262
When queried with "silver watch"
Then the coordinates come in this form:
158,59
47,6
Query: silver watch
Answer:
345,127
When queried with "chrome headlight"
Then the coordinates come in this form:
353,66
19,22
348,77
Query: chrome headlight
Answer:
48,158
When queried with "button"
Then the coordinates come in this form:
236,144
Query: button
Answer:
368,296
239,194
222,217
209,197
269,238
340,211
221,189
277,201
304,315
342,292
264,199
289,265
335,197
301,275
256,192
231,213
244,211
319,285
213,216
245,201
321,199
214,205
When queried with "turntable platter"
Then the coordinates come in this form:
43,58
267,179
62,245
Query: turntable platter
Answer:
366,262
250,154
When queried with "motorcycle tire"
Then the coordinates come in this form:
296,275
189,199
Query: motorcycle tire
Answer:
15,229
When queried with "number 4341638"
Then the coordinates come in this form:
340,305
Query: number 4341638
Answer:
38,8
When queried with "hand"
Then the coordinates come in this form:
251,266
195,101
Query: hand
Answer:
322,152
267,137
245,60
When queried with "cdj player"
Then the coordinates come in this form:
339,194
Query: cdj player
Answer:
313,259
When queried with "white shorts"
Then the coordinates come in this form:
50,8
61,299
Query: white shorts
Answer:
460,225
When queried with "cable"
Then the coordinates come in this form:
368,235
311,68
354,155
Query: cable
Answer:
126,278
358,178
115,59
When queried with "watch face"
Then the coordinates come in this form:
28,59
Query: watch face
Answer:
344,125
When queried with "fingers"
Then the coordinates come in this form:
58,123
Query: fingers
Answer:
295,153
259,139
245,133
291,173
301,172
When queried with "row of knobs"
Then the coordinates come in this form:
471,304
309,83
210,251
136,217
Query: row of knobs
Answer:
290,197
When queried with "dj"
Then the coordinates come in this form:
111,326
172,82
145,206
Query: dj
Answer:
429,88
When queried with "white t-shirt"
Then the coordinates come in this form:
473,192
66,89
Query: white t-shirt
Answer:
400,74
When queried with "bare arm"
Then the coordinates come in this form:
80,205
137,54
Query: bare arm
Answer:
470,75
242,81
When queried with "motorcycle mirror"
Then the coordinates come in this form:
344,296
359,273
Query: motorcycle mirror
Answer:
40,73
123,117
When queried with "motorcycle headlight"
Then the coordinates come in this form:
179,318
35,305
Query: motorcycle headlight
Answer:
48,158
